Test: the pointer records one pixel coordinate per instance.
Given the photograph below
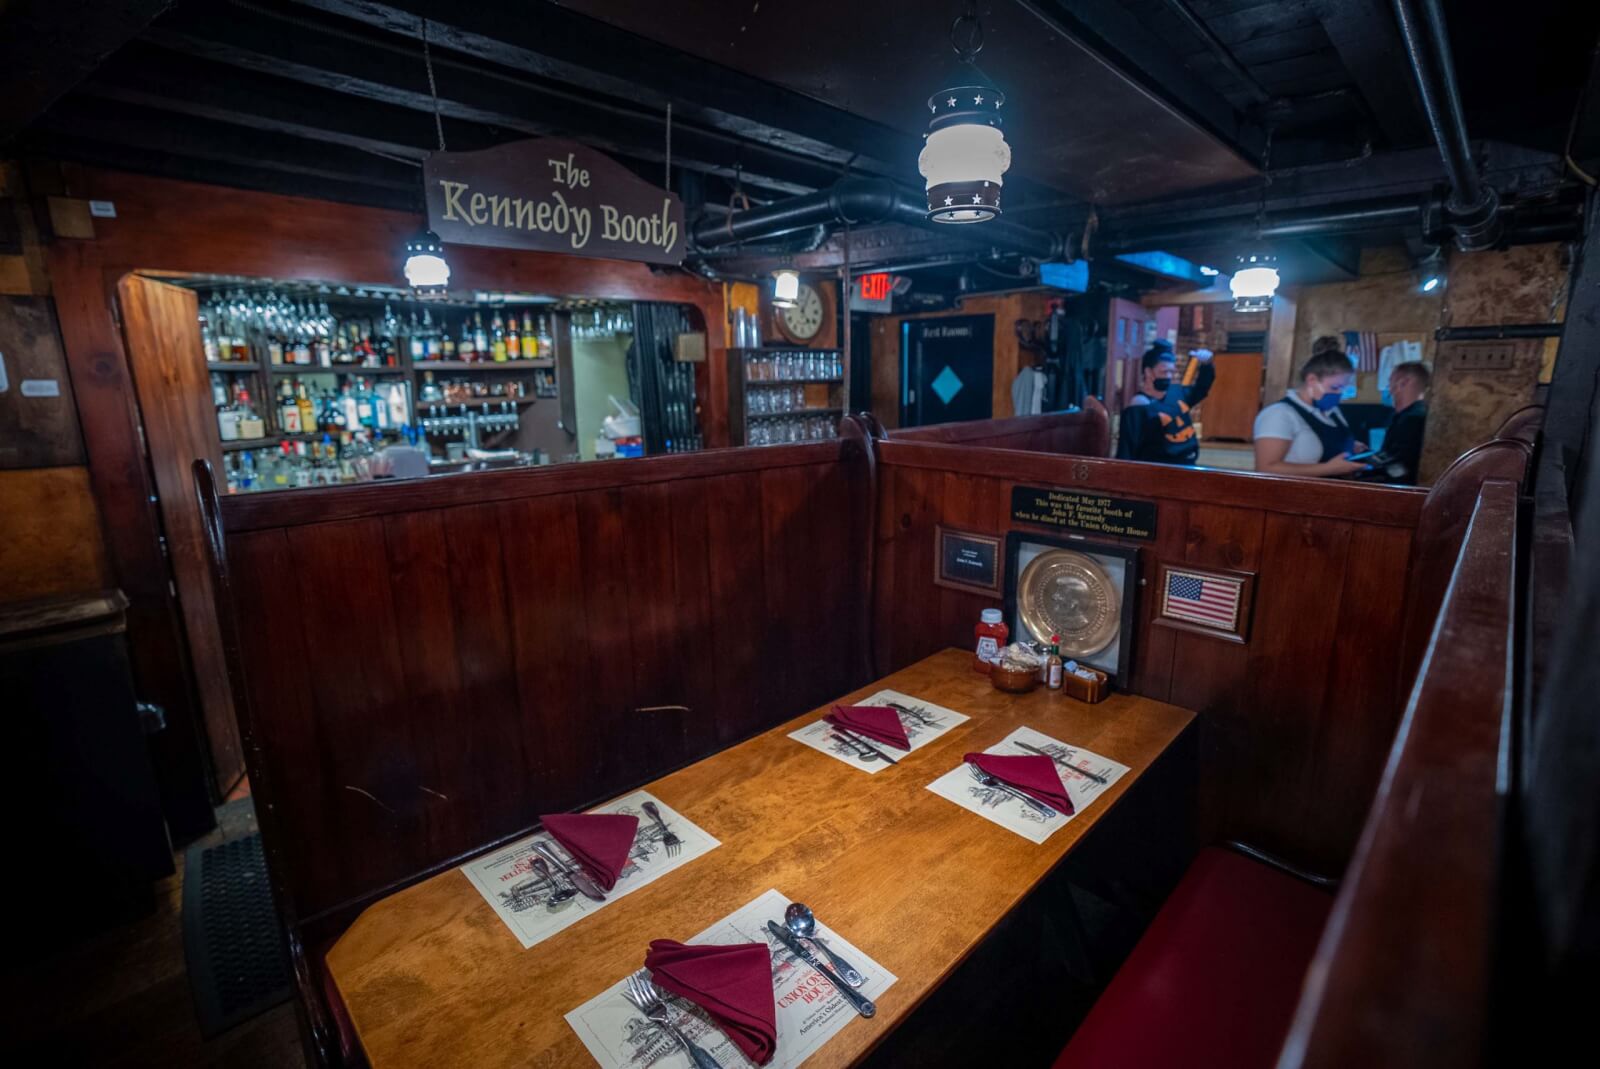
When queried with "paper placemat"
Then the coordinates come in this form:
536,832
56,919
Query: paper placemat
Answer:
922,720
506,877
960,787
810,1011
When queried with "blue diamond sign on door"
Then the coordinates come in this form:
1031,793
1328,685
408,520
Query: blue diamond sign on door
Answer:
947,384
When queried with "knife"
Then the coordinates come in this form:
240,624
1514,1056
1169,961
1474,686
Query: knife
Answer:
1064,763
853,737
864,1005
574,873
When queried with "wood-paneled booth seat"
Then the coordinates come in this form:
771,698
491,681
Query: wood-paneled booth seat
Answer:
1083,431
421,669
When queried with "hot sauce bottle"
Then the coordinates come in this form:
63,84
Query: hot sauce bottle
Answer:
991,632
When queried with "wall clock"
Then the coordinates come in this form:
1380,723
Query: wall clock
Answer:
803,321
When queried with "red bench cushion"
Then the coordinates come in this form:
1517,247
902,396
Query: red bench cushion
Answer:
1215,980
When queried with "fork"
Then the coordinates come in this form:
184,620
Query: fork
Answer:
668,840
643,993
919,715
995,784
855,747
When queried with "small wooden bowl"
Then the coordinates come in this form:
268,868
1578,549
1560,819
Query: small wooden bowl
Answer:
1014,680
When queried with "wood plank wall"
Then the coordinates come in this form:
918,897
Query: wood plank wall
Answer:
424,669
1297,719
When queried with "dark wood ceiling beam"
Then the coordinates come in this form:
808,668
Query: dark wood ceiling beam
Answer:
1363,33
49,46
140,160
257,41
119,124
552,42
1124,45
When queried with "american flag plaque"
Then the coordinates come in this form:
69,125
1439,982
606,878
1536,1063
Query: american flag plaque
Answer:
1209,602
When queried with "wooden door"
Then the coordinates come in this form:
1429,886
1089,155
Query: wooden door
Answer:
160,325
1229,411
1125,346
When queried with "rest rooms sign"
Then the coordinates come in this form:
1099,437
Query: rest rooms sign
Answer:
554,196
1119,517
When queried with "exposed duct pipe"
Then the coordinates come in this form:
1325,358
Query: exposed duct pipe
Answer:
861,202
1349,218
1473,208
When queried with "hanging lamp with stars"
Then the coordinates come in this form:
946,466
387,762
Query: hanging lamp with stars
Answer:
965,155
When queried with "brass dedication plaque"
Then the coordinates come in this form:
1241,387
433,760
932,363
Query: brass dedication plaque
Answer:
1062,592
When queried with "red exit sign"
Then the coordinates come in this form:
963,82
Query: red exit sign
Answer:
875,287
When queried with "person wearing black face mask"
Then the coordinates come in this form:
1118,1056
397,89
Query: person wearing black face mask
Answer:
1304,434
1158,424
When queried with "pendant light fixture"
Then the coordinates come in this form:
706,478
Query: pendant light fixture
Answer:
785,287
427,272
1254,282
965,157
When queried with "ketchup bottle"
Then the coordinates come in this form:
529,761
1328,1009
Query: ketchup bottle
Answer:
991,634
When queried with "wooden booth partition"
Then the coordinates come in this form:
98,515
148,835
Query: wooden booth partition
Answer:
1297,713
1082,432
423,670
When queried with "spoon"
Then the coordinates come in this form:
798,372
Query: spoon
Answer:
575,876
799,919
560,894
995,785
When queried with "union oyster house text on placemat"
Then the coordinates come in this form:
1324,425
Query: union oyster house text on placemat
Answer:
553,196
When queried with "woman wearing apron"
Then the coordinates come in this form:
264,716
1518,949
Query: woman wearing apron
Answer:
1304,434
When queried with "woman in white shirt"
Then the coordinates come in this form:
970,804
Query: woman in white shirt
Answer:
1304,434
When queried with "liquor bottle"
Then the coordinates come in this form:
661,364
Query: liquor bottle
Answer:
480,337
308,412
288,410
228,422
347,408
219,390
467,349
415,335
497,336
547,344
397,406
282,468
513,338
251,424
380,408
208,337
530,340
430,389
447,341
364,414
274,340
430,337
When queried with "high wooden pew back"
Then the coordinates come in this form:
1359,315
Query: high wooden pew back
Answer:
424,668
1083,432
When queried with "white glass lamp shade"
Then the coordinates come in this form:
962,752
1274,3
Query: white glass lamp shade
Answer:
1254,284
785,287
426,269
965,156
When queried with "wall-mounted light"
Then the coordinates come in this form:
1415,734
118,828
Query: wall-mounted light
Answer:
1254,282
785,287
965,157
1431,283
426,270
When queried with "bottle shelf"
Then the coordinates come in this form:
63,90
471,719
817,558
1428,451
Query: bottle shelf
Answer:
237,366
520,402
482,365
796,412
337,369
758,383
269,441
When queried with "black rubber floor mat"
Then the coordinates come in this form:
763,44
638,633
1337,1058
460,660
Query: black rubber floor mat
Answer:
237,963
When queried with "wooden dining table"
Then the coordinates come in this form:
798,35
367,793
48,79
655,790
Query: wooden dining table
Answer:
431,976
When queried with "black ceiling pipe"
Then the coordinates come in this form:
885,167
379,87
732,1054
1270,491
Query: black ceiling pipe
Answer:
1351,218
1473,208
863,201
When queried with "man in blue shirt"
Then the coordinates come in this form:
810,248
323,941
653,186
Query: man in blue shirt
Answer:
1158,424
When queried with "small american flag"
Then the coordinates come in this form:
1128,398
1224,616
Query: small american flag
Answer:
1209,600
1361,346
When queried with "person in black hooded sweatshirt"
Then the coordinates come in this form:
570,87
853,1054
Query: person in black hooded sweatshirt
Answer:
1158,424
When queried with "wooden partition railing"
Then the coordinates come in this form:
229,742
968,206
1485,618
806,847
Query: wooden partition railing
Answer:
1402,976
1298,716
1084,431
423,668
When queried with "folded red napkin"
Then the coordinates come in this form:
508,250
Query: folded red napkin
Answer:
1033,775
600,842
731,983
877,722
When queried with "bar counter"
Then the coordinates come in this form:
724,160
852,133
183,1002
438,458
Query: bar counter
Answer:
431,976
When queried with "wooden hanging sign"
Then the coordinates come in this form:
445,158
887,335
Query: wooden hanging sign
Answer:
554,196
